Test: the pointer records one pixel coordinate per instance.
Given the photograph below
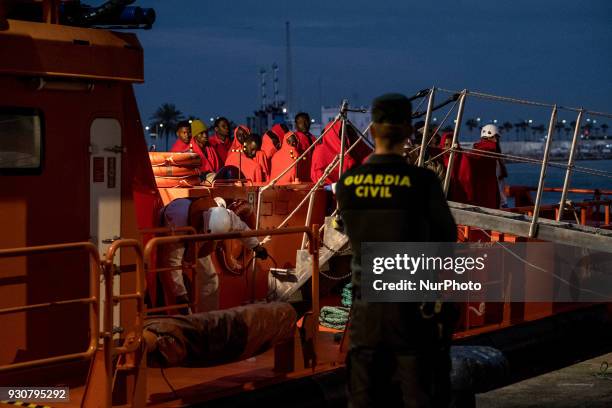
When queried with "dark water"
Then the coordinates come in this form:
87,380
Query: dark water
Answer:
528,174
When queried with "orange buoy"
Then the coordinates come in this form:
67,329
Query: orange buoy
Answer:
175,171
175,159
171,182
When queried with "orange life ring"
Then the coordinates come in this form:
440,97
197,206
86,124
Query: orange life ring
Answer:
170,182
175,171
175,159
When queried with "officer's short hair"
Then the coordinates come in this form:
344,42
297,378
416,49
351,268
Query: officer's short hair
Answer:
392,109
391,114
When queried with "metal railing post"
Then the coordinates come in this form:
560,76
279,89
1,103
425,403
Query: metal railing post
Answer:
538,201
308,218
425,140
343,113
451,159
570,165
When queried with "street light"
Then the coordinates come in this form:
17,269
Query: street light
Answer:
190,121
284,110
494,120
146,128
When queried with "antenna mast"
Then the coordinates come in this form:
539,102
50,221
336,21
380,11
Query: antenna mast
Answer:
275,79
264,102
288,102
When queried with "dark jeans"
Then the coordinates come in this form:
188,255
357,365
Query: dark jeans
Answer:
383,378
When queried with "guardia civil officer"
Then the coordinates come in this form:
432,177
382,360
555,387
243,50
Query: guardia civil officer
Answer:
398,356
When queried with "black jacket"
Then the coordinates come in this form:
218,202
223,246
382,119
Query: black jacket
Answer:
388,200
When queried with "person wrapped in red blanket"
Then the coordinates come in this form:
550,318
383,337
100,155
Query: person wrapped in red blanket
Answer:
329,147
460,188
221,140
183,138
285,157
200,145
484,185
243,158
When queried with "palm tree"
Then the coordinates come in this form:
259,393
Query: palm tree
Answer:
471,124
522,125
507,126
168,116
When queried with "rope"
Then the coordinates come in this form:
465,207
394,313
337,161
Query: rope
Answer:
336,317
580,169
483,95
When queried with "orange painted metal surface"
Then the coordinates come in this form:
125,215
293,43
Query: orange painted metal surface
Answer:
86,53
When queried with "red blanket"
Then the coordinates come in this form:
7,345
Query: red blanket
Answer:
285,157
180,146
329,147
484,182
210,159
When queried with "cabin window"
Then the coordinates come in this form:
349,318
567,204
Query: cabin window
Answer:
21,140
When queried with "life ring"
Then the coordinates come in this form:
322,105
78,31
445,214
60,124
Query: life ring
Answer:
175,171
170,182
175,159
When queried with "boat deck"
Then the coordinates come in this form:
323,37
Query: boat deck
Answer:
188,386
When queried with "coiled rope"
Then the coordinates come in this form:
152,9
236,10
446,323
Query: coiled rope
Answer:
336,317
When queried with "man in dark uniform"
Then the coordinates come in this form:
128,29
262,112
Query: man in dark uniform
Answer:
399,354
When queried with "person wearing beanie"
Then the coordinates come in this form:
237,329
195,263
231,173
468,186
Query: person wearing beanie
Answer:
398,355
201,146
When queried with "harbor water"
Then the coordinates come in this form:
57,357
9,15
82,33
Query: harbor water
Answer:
526,174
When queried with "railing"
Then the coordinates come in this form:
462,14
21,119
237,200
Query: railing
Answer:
174,231
544,162
92,301
313,238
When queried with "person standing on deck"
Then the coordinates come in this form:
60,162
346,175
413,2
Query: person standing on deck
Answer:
394,348
220,140
485,188
212,219
183,137
201,146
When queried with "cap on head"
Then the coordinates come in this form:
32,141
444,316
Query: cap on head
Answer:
393,109
489,132
219,221
197,127
220,202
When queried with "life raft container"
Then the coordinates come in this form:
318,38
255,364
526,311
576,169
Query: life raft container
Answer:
192,160
175,171
171,182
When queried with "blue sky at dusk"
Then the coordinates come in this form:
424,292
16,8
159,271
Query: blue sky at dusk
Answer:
205,56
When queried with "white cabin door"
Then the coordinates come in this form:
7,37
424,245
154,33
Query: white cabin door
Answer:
105,194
